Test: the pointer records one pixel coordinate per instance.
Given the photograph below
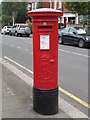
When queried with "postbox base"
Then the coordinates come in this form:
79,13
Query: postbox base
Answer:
45,101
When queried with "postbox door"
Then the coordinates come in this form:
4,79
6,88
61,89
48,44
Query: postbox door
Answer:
46,53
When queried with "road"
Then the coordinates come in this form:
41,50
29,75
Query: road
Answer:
72,66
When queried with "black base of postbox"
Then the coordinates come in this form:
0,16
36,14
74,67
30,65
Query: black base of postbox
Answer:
45,101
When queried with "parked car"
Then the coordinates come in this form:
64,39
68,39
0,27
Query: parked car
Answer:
20,29
10,29
5,30
71,35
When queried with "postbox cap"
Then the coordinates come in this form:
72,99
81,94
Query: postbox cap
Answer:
45,12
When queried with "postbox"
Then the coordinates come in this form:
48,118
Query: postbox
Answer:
45,60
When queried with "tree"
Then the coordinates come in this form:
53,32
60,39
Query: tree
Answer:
78,7
6,19
0,9
18,10
82,8
0,16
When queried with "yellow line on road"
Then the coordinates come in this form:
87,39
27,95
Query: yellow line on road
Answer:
74,97
61,89
21,66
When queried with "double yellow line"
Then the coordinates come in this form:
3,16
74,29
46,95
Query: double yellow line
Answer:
18,65
61,89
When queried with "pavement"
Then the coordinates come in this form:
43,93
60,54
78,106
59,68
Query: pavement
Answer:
17,101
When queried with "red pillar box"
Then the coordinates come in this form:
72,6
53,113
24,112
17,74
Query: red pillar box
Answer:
45,60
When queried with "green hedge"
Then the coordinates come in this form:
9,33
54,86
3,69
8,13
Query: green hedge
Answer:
59,25
30,25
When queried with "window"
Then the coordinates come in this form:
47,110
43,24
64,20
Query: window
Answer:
9,27
72,30
24,26
4,27
14,26
17,26
65,30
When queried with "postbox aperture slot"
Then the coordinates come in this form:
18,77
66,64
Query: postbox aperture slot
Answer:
44,27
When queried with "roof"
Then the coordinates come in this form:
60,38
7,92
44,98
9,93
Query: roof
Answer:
45,12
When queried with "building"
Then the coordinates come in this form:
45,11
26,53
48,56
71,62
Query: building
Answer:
66,19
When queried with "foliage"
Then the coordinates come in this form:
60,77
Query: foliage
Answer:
18,10
6,19
60,25
78,7
0,9
86,20
31,26
0,13
82,8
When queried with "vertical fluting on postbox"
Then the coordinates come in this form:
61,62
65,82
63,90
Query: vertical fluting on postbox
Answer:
45,60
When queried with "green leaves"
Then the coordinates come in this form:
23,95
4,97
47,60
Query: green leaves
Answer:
78,7
82,8
6,19
18,10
